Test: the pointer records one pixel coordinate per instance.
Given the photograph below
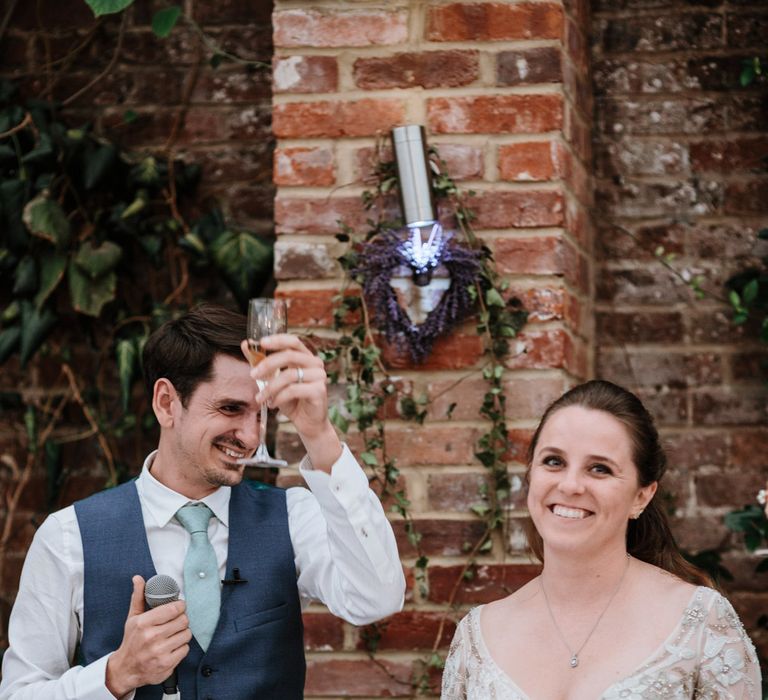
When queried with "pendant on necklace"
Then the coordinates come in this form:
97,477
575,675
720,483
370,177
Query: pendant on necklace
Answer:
574,661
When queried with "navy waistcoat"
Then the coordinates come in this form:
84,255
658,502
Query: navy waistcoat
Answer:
257,651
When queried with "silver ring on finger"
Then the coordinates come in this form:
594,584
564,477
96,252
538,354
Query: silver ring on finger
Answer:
299,375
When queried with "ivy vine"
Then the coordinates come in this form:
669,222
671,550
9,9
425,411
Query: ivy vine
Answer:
356,363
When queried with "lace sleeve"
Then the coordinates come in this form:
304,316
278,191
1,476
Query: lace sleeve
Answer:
728,662
455,671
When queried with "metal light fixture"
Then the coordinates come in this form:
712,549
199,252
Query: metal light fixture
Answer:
426,240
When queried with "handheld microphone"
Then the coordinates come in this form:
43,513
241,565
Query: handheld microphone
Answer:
160,590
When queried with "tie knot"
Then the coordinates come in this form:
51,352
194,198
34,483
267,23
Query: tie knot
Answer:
194,517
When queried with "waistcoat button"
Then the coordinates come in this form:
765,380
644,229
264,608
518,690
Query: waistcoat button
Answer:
206,671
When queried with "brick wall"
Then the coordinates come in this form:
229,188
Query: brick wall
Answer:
680,153
503,92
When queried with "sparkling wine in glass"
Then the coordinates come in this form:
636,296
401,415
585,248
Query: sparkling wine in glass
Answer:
265,317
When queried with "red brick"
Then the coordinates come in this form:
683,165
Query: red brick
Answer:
444,538
544,303
518,440
620,327
746,198
455,351
336,678
429,69
529,66
749,449
302,260
488,582
228,163
217,87
462,162
451,491
540,350
495,114
304,166
339,28
411,629
323,632
494,21
310,308
232,12
336,119
527,209
440,444
670,32
531,256
306,215
532,161
305,74
659,368
209,124
743,486
728,406
689,450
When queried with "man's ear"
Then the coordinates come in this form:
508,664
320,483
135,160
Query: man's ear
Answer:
163,398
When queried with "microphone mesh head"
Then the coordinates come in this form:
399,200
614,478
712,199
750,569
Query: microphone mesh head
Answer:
161,589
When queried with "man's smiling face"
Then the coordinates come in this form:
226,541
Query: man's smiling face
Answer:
218,426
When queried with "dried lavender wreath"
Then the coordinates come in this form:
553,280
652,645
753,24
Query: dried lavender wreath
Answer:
376,263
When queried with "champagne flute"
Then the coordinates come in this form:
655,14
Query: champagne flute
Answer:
265,317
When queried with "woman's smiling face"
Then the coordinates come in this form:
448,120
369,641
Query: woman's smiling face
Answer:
583,483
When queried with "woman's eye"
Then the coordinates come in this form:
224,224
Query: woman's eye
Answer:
552,461
601,469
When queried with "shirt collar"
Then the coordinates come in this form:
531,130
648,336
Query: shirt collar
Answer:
162,503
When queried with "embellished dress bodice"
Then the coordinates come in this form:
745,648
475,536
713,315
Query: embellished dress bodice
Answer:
708,656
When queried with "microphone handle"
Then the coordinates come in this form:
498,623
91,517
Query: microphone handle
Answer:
171,685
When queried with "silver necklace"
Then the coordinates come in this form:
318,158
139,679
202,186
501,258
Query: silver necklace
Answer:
575,654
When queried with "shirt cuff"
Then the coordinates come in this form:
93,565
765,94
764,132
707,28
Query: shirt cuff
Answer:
346,485
92,682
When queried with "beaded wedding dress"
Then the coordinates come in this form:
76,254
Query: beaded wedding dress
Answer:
708,656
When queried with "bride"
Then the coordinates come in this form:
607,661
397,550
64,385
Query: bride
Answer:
617,612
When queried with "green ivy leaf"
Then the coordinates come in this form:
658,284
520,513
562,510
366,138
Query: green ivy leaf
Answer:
52,266
12,197
46,219
136,205
369,458
98,163
749,293
9,341
89,295
244,261
337,419
36,324
107,7
127,351
493,298
97,261
165,20
25,277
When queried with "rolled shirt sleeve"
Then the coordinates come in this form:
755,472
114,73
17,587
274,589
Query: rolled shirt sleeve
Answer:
344,546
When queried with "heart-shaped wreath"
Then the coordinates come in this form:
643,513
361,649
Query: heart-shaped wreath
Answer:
378,259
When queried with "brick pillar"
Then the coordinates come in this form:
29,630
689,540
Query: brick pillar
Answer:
503,91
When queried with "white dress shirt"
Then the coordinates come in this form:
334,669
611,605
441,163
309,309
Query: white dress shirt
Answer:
344,549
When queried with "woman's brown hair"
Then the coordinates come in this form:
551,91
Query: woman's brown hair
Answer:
649,537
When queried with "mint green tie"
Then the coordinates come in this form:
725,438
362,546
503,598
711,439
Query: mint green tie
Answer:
201,574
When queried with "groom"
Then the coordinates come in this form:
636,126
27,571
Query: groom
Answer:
271,550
